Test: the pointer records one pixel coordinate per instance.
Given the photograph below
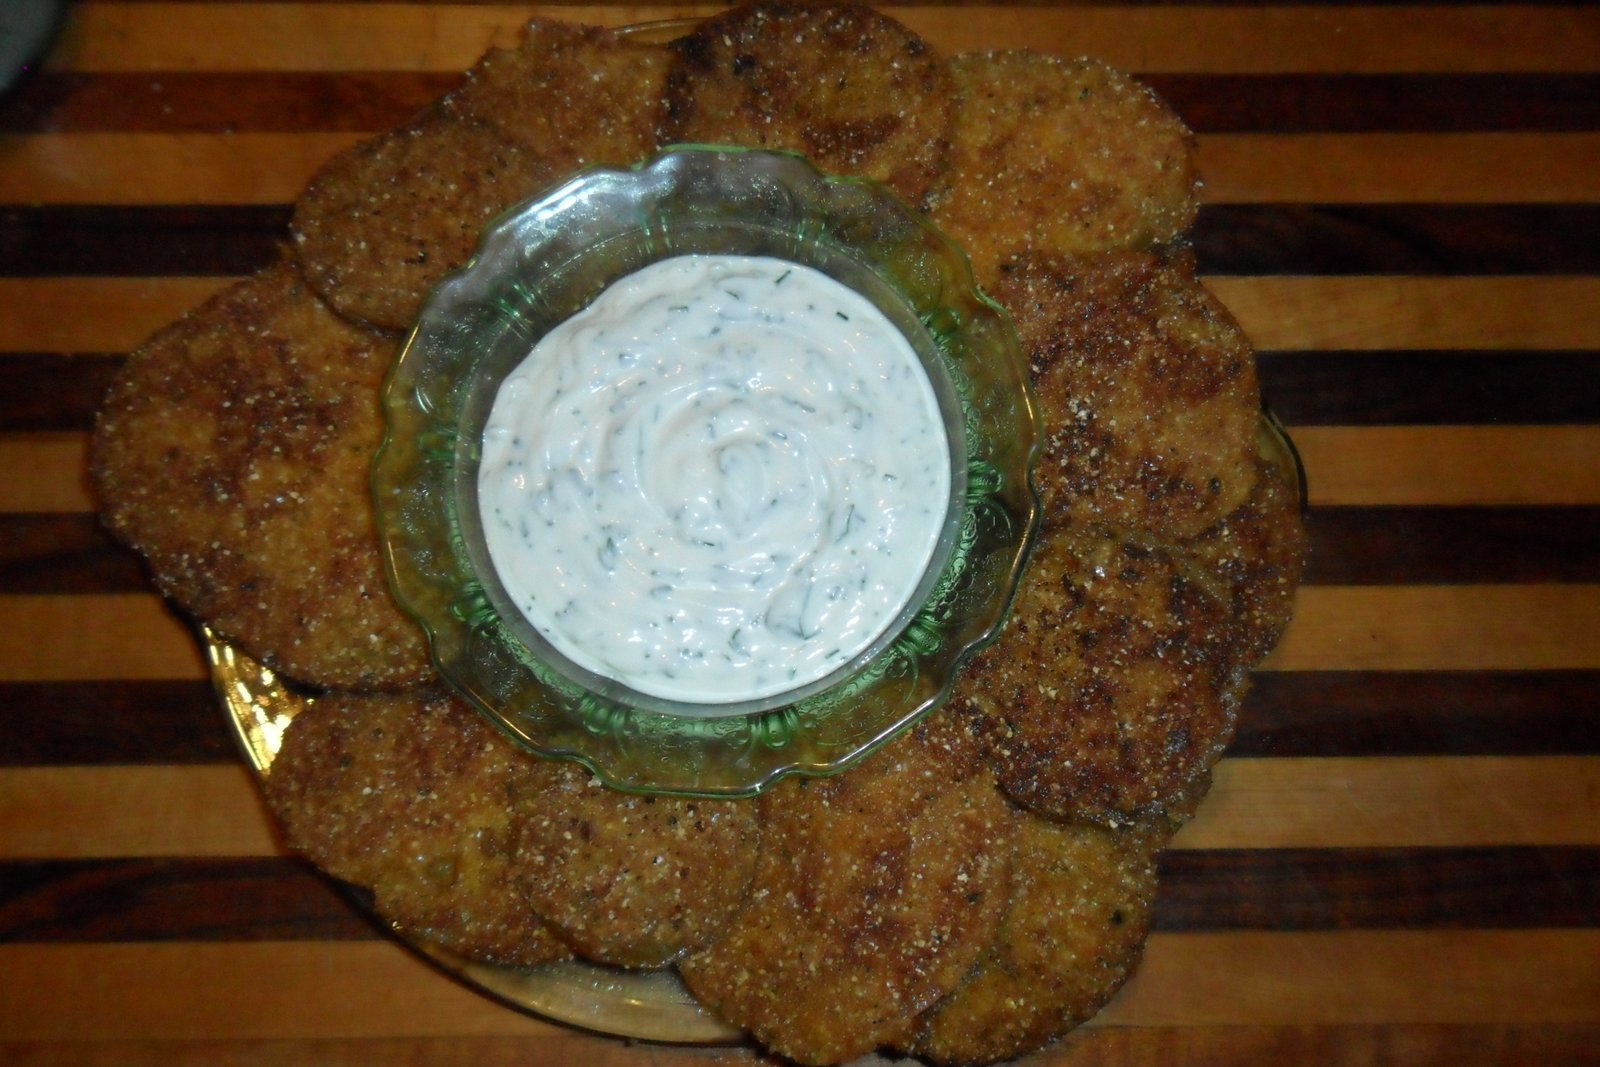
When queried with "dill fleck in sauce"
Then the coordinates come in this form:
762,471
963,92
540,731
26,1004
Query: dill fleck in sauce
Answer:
720,481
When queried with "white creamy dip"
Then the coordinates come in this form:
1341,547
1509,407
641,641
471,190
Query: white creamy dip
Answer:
720,481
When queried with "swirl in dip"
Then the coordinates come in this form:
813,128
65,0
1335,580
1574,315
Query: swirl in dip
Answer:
720,481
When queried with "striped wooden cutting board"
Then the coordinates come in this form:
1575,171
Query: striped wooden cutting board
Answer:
1401,859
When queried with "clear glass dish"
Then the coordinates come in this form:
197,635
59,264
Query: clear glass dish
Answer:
543,261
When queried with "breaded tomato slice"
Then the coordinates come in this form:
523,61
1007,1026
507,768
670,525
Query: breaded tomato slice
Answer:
233,451
874,893
849,88
1052,155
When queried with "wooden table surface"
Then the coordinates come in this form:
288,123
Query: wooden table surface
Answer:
1400,861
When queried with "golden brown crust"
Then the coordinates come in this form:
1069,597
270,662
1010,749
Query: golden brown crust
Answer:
854,91
233,451
1107,693
1061,156
1254,559
1073,931
1147,391
575,95
415,797
635,881
874,893
384,220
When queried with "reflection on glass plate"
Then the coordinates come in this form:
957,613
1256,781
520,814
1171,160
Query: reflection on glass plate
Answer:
651,1006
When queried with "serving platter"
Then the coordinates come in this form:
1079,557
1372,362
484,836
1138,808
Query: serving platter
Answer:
654,1006
648,1005
259,705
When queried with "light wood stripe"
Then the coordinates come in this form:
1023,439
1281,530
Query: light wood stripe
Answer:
1450,465
93,314
296,990
42,473
1346,466
1424,801
1442,628
1386,312
135,637
1345,802
157,168
290,36
1361,312
95,812
273,168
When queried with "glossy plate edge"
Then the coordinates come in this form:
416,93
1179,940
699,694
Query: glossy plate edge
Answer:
643,1005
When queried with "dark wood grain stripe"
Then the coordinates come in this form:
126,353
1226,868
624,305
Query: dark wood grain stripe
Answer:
282,899
1434,546
1398,239
47,392
1413,713
205,102
364,101
1235,239
139,241
245,899
1321,889
1309,714
73,553
112,722
1431,388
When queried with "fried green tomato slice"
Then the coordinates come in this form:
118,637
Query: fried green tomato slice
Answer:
415,797
875,891
1073,931
852,90
575,95
630,880
233,452
1108,693
1061,156
384,220
1147,392
1254,559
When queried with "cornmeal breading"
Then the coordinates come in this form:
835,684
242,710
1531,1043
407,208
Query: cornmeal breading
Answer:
874,893
414,796
1109,692
384,220
854,91
632,880
1254,558
1073,930
1146,387
233,451
1051,155
575,95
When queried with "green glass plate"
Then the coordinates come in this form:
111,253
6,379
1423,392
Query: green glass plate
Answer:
543,261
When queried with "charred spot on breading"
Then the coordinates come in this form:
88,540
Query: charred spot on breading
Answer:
1254,558
416,798
233,452
1051,155
1147,391
1110,691
874,893
853,90
384,220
